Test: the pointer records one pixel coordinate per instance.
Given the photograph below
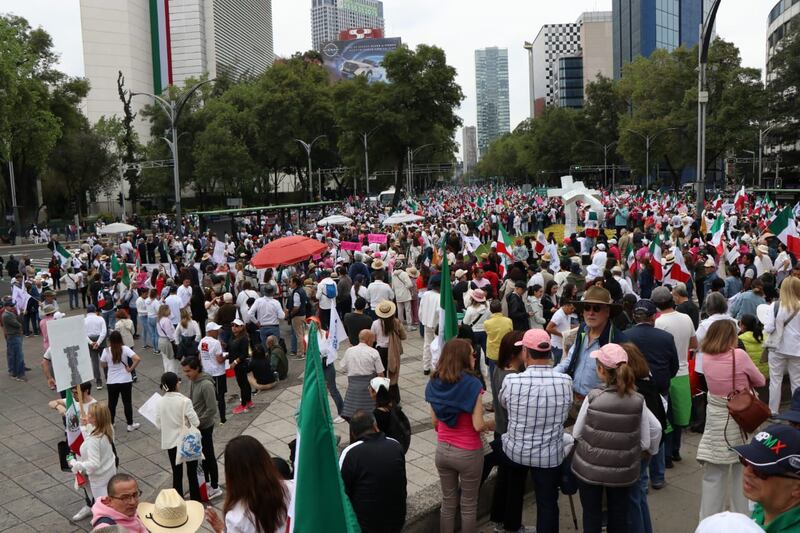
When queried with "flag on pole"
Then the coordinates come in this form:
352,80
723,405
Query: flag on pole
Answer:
592,227
679,272
63,256
504,242
630,256
717,205
716,234
319,501
655,258
785,229
120,271
336,335
73,420
740,199
541,242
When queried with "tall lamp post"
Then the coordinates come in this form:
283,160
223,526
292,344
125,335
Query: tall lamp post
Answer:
761,134
605,148
173,109
308,147
702,102
411,154
365,138
14,206
529,47
648,141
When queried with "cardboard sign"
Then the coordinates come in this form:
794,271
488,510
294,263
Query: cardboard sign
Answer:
69,351
377,238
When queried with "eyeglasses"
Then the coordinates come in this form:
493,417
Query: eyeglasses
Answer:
594,308
762,475
127,497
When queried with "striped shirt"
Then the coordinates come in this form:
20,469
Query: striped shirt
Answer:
537,401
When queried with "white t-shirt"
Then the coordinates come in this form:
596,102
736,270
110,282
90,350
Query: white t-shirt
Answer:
682,330
210,348
240,520
116,371
562,322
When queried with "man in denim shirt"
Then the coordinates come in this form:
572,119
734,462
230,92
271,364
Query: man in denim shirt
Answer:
596,331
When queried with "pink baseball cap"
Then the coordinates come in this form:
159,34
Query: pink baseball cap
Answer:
537,340
611,355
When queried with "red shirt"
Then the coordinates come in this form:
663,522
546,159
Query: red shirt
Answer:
494,281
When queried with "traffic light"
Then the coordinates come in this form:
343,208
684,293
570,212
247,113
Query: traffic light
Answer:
121,200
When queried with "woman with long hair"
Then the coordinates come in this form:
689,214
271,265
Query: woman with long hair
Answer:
173,413
785,357
509,361
389,336
257,497
722,471
550,300
124,325
454,395
613,428
120,361
97,458
474,316
166,334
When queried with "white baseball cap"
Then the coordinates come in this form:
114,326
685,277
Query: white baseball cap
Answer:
212,326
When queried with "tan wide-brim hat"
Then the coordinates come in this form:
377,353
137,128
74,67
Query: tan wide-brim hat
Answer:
385,309
377,265
597,295
171,514
413,272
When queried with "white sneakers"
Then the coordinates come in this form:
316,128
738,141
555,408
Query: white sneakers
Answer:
339,420
214,493
134,426
84,513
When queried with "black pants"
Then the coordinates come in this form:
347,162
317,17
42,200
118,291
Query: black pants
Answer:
209,458
245,391
324,318
114,392
344,307
83,291
516,476
221,386
592,502
177,476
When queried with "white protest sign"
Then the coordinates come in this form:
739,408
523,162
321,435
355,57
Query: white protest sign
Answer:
69,351
150,407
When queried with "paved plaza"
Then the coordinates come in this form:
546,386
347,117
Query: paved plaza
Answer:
37,496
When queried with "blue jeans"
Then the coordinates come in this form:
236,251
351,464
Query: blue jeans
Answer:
14,357
151,330
330,381
266,331
545,486
134,314
557,353
479,337
30,322
73,298
658,466
639,510
110,318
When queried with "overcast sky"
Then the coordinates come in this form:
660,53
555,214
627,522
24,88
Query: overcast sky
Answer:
457,26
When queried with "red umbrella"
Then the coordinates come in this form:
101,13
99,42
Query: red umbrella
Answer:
287,251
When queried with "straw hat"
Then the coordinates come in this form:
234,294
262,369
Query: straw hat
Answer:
171,513
377,264
412,271
385,309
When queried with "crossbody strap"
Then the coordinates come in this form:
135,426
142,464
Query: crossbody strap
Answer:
733,375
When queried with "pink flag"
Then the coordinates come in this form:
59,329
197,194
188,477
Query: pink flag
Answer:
379,238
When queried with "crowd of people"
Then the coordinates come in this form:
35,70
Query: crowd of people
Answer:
600,349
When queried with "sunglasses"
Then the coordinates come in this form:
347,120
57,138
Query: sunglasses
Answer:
762,475
594,308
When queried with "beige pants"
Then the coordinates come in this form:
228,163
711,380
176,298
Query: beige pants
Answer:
299,328
719,481
459,469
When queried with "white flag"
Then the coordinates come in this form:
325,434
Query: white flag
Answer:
336,335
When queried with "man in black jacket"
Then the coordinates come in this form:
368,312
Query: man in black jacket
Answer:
374,473
517,311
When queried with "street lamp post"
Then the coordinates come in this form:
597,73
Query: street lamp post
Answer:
605,148
308,147
411,154
648,140
365,137
14,205
761,134
529,47
702,102
173,110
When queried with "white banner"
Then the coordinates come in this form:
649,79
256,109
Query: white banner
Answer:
69,351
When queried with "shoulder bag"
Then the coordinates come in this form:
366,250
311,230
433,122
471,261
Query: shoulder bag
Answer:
744,407
190,447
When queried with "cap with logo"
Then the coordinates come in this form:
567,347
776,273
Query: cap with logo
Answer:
774,451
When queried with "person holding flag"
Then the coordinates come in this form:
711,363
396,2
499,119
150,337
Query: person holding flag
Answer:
97,459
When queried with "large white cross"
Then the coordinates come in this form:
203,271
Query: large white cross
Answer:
570,192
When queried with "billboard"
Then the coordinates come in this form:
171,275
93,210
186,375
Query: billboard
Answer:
367,9
361,33
361,57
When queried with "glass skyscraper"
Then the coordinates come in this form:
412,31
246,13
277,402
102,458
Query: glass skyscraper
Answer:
491,76
642,26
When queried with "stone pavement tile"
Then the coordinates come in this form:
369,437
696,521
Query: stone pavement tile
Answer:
259,434
8,429
280,429
141,467
51,433
27,508
39,450
7,520
427,463
51,522
34,421
12,462
36,481
12,491
62,497
419,476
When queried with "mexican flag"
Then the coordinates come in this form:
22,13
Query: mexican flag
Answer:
655,258
448,324
504,242
740,199
679,272
541,242
64,256
319,501
630,256
717,204
592,227
73,421
785,229
716,234
120,270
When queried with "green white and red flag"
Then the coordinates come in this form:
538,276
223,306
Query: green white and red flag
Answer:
73,422
655,258
161,45
717,233
785,228
504,242
740,199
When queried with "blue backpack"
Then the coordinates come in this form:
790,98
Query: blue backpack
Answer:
330,290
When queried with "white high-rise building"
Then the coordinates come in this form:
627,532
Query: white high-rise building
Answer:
491,78
329,17
470,148
554,41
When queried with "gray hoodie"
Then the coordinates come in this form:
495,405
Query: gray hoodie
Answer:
204,400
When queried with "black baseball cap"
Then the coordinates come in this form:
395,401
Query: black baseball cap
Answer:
645,307
774,451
